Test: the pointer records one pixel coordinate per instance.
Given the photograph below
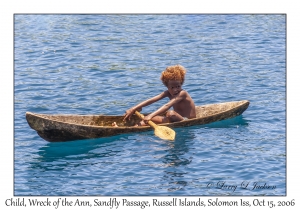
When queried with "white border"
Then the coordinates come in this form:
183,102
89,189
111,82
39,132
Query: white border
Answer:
153,7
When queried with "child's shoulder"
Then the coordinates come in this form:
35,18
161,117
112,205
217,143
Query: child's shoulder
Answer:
183,92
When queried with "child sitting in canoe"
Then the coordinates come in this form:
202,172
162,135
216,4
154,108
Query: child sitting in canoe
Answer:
182,103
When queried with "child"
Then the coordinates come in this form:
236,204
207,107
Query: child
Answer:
180,100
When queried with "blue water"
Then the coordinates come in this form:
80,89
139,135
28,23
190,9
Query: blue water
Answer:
104,64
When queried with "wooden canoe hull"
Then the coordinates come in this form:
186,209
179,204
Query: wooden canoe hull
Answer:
57,128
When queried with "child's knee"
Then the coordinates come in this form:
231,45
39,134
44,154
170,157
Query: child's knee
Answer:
170,113
172,116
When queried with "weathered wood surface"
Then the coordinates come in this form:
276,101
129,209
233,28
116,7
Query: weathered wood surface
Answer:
56,128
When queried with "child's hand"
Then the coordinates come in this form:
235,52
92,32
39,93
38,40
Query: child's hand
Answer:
129,113
147,118
139,109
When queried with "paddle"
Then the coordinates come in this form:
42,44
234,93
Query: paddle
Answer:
162,132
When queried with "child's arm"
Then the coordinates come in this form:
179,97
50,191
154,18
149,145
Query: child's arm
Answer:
147,102
166,107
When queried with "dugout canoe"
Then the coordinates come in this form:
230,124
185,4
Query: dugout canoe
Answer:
57,128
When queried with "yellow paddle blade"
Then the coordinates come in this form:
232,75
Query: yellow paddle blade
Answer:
164,132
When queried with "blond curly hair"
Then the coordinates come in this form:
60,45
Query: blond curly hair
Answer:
176,72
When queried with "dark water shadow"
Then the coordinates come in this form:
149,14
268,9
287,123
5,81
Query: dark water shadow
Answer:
79,149
228,123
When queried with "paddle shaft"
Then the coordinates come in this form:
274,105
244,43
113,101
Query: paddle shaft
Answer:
152,124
